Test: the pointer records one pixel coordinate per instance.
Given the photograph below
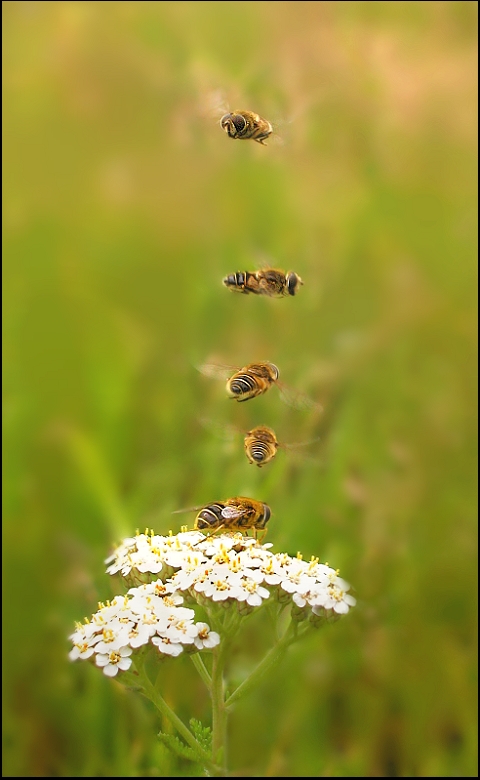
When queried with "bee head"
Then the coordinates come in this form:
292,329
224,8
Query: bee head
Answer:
293,281
233,124
265,517
273,371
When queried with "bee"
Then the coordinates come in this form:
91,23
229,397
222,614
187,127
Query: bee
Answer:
233,514
266,281
254,380
246,124
251,381
260,444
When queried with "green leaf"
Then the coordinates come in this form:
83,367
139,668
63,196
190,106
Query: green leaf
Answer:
203,734
176,746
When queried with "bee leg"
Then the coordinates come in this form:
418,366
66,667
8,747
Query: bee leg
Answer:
215,531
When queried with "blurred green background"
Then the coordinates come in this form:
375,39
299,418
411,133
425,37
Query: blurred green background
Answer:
124,206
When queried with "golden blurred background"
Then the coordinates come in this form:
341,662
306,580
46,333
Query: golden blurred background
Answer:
124,207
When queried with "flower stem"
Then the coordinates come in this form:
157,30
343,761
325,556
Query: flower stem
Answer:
151,693
273,657
219,710
199,665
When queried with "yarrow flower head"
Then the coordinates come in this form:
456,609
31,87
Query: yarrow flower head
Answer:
147,614
211,575
185,588
189,594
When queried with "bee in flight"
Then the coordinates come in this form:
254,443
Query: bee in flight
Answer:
233,514
260,443
266,281
254,380
246,124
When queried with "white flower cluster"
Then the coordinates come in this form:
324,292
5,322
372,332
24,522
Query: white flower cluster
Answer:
149,613
224,569
232,567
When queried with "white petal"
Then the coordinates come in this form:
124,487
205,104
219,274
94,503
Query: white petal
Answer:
110,670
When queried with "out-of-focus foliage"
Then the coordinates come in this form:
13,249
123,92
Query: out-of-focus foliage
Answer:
124,206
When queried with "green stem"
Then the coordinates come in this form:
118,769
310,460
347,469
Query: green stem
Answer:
199,665
219,711
160,703
272,659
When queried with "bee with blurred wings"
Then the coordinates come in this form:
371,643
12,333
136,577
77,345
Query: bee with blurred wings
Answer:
260,444
253,380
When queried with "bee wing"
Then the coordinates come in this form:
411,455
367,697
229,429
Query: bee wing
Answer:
231,512
281,130
295,445
216,370
295,452
213,103
297,399
277,138
222,430
189,509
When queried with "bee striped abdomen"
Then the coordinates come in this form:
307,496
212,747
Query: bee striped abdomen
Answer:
260,445
259,451
210,517
252,380
242,281
243,386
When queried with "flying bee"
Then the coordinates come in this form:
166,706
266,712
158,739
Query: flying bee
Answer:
254,380
213,103
246,124
267,281
233,514
260,443
251,381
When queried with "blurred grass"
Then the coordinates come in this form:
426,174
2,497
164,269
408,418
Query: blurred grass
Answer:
124,206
